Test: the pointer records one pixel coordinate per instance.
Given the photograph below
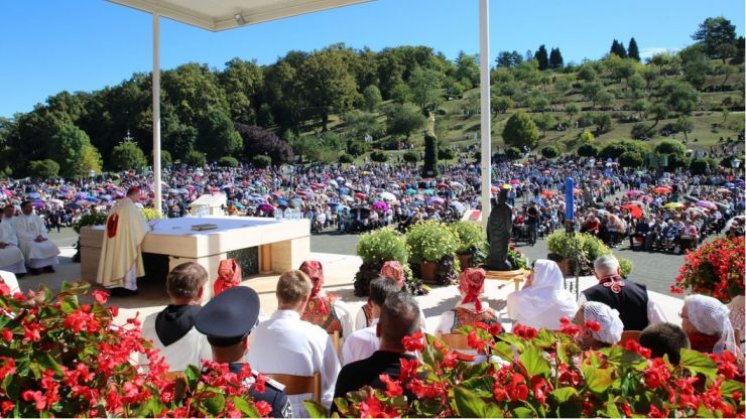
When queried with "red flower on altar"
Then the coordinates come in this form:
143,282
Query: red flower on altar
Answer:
414,343
495,329
475,342
592,325
634,346
36,397
7,335
715,268
100,296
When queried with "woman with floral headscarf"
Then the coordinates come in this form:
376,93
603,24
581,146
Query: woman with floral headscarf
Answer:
392,270
325,310
706,321
471,309
543,301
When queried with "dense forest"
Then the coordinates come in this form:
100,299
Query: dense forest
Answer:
317,106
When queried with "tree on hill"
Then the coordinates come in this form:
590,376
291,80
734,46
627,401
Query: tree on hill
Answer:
617,48
632,51
679,96
67,148
507,59
684,124
372,98
258,141
241,80
587,73
695,65
216,135
425,87
467,68
520,131
328,86
404,119
127,156
555,59
670,147
718,35
542,58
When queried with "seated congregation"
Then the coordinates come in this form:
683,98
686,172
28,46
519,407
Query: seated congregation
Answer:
312,333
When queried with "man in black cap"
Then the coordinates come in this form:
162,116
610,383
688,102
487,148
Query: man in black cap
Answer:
227,320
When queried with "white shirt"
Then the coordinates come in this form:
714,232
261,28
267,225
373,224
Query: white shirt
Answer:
285,344
655,314
191,349
361,344
361,321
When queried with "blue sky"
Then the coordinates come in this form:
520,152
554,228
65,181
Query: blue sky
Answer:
52,45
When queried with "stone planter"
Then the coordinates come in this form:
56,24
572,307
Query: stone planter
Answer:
465,261
428,271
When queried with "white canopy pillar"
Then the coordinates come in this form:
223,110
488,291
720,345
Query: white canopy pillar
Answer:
484,92
156,111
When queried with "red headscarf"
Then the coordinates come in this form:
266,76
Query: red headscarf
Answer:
393,270
471,284
229,276
315,271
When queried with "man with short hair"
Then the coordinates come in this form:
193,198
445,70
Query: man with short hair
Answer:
121,257
631,299
38,251
228,320
285,344
364,342
400,317
665,339
172,329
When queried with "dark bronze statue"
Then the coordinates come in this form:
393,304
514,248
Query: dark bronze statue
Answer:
499,227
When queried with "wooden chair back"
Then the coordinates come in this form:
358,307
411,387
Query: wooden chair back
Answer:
629,335
455,341
298,384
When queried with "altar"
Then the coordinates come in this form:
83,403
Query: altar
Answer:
275,246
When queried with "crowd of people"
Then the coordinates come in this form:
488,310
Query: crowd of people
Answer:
300,337
654,210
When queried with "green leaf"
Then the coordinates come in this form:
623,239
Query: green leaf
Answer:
479,384
731,386
315,409
611,409
562,394
698,363
192,374
544,339
215,404
342,406
76,287
46,360
534,361
597,379
503,350
523,412
246,409
469,404
703,412
151,408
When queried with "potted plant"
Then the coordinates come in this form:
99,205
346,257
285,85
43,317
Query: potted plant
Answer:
432,243
517,259
377,247
715,269
562,248
471,238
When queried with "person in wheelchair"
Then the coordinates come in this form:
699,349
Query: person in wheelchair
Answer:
640,234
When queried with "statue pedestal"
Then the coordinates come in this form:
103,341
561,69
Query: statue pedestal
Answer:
517,276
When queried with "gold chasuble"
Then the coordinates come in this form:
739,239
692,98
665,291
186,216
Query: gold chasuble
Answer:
124,232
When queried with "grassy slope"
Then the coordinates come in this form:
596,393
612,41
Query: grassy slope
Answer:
453,127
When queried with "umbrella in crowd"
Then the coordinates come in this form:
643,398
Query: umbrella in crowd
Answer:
662,190
706,204
634,210
634,193
380,205
673,205
387,196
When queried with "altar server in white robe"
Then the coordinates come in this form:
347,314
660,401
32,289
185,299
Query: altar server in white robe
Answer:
38,251
172,329
120,263
11,258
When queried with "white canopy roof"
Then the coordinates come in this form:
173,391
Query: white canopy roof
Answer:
218,15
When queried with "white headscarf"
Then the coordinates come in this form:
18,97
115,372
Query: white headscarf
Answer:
711,317
608,318
545,302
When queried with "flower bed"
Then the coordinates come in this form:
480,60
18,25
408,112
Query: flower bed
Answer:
715,268
530,373
61,358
